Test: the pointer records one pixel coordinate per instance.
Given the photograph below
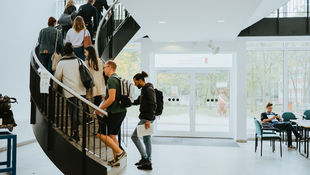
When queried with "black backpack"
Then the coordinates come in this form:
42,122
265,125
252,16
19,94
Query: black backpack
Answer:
159,102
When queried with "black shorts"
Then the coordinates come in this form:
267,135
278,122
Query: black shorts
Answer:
113,122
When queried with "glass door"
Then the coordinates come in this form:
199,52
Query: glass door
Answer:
195,103
212,101
177,96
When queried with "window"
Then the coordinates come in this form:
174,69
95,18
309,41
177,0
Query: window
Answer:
266,67
193,60
264,83
128,64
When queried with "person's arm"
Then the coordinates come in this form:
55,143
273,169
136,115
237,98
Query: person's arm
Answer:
59,42
59,72
278,117
150,92
39,39
112,94
110,100
95,19
137,101
264,118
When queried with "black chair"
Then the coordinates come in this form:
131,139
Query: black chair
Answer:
266,133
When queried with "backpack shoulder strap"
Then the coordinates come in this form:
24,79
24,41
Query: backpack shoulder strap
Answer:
71,58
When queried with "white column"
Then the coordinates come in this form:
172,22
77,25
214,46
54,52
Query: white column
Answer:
239,94
146,57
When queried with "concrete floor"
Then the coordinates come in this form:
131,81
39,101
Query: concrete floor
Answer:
185,160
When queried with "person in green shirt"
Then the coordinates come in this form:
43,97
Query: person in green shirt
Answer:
116,114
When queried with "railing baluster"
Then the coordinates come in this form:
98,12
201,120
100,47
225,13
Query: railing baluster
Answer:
57,110
62,113
94,137
66,124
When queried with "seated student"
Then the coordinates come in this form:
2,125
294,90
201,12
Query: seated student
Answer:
277,122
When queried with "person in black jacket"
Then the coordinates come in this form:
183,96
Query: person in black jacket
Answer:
99,4
70,9
147,101
89,14
277,122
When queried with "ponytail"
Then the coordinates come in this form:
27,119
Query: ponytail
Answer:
141,76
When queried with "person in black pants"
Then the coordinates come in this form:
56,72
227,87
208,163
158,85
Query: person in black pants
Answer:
99,4
277,122
89,14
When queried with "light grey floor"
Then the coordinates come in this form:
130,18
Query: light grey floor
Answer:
186,160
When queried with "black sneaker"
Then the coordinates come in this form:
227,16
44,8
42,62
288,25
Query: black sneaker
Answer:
111,163
291,147
119,158
141,162
145,167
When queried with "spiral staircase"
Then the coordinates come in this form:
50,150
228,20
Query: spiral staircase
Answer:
50,114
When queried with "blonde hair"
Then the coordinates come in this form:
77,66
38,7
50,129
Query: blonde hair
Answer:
78,24
112,64
70,3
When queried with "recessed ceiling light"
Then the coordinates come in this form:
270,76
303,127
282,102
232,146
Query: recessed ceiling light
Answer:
162,22
220,21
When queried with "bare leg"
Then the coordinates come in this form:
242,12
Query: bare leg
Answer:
116,142
110,142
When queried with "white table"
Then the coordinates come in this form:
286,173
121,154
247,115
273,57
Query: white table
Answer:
305,125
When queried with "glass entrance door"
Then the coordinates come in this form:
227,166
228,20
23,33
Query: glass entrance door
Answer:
176,91
195,103
212,102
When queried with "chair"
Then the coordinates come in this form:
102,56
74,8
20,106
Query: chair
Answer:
307,115
287,116
266,134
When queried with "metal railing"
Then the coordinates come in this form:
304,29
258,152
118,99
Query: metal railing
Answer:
111,20
65,113
294,8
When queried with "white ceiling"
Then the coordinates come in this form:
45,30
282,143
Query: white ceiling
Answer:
197,20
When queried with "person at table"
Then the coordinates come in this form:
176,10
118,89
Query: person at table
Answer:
277,122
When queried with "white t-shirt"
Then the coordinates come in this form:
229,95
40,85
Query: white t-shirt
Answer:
272,115
76,38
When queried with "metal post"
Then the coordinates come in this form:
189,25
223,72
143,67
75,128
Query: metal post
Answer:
83,142
8,151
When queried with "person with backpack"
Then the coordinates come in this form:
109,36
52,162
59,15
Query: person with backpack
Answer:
116,114
147,101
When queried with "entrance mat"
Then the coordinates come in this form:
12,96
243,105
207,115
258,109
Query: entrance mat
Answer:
194,141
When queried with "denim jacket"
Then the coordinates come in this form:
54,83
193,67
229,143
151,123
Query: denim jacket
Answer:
47,39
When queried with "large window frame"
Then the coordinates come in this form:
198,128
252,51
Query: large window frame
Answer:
285,47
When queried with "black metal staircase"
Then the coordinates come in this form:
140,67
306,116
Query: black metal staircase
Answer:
50,114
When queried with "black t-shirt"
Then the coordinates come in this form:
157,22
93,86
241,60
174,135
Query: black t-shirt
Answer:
266,115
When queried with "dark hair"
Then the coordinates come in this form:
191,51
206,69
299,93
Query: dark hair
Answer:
141,76
67,49
51,21
92,58
112,64
269,104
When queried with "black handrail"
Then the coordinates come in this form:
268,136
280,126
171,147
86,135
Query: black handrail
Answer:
59,111
111,21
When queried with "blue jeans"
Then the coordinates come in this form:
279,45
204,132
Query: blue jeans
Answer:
147,152
46,60
79,52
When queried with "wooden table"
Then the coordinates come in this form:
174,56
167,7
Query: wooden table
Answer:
305,125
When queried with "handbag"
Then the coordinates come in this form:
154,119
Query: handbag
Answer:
87,41
86,76
65,20
55,57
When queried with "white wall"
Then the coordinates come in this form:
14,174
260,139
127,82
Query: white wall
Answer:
21,21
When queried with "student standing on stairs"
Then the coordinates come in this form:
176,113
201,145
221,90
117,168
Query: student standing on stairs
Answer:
116,114
147,101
